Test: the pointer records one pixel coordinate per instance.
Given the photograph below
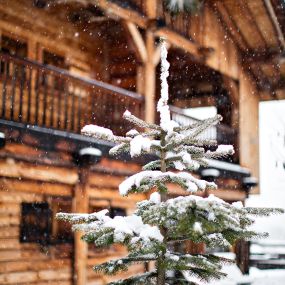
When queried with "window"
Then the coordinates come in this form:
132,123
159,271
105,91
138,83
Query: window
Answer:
49,79
13,47
35,223
39,225
53,59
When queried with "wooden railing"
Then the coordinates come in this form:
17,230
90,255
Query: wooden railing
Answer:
222,133
46,96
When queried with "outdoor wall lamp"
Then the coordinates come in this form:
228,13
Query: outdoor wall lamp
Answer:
248,183
89,156
2,140
210,174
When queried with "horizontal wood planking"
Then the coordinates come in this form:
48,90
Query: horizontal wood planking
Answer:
35,276
45,173
18,266
9,232
35,187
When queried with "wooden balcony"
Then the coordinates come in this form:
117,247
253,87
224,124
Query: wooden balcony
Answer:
38,96
45,96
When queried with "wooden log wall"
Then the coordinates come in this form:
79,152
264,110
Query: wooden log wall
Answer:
43,30
24,180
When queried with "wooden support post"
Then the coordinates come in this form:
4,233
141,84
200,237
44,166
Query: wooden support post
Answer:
137,39
81,202
149,66
248,126
150,78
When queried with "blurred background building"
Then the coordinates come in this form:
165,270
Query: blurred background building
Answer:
65,64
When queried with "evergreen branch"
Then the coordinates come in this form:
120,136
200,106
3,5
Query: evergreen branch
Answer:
200,125
141,279
114,266
146,180
188,141
80,218
265,212
152,165
103,134
120,148
205,125
140,123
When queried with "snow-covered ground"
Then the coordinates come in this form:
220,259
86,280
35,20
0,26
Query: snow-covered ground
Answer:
256,277
272,194
272,171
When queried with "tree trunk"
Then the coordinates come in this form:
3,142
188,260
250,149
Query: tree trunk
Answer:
160,261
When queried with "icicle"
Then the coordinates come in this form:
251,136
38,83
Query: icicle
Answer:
162,105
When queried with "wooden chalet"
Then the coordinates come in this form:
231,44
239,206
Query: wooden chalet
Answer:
68,63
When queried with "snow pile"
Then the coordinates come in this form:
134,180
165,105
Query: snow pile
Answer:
155,198
134,226
139,144
229,149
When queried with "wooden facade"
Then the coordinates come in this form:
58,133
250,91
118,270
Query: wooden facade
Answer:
64,64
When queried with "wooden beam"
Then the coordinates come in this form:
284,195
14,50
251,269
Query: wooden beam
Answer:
120,12
248,126
80,205
179,41
223,14
145,22
137,39
275,22
253,21
150,79
151,7
261,56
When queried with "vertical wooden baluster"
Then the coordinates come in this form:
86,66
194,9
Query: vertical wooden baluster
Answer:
52,94
22,83
79,112
93,107
45,98
66,95
29,94
72,110
14,83
4,89
86,108
59,88
38,74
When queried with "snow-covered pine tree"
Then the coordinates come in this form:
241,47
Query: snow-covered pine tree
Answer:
159,223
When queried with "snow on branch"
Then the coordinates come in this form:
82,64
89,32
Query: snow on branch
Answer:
221,151
138,122
102,133
122,228
216,222
114,266
146,180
